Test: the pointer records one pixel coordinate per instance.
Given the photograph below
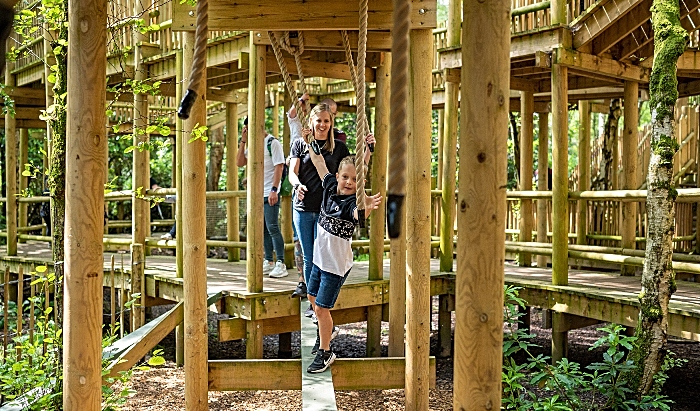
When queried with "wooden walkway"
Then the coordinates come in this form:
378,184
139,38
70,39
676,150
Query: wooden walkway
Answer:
602,296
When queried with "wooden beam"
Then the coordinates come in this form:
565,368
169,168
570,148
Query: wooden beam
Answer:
193,233
332,40
418,228
255,167
599,65
560,200
543,179
628,225
527,104
232,204
318,69
481,204
601,22
227,96
584,149
86,150
348,374
309,14
10,172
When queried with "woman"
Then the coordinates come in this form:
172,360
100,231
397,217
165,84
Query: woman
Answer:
304,177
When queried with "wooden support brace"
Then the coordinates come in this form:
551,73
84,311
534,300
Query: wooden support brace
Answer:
348,374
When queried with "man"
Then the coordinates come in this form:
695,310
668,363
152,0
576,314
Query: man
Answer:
273,168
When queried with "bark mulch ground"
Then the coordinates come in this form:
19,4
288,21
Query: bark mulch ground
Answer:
163,388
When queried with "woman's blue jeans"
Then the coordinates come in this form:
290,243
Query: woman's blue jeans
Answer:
272,236
305,222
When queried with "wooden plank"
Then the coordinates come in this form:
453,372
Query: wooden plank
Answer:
332,40
310,14
130,349
317,391
634,19
318,69
600,65
348,374
600,20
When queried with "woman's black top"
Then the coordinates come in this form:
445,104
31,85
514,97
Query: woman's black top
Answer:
308,175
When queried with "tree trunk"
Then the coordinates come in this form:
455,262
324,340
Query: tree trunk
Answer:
57,162
216,157
658,280
603,180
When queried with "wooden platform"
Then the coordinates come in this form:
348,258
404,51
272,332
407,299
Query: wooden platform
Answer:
603,296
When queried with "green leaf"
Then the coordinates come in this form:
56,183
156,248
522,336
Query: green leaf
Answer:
41,269
17,367
156,361
26,173
51,78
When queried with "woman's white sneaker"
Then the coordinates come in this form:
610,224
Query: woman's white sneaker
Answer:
279,270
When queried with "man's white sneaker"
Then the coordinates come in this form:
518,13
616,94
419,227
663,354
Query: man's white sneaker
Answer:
267,266
279,271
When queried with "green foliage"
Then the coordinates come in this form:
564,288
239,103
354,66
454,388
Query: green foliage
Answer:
8,104
198,133
567,386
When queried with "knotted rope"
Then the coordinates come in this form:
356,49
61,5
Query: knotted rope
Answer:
277,46
199,63
363,126
396,189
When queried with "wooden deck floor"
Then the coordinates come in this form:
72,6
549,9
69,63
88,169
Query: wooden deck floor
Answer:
604,296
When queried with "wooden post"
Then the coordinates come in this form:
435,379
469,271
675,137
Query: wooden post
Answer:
418,227
378,217
527,106
286,202
193,232
20,300
560,176
138,286
560,197
628,224
584,168
23,180
141,212
85,177
181,57
445,308
449,147
542,181
558,11
397,290
481,205
232,211
10,170
255,168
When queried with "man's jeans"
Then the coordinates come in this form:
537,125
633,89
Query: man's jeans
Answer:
272,236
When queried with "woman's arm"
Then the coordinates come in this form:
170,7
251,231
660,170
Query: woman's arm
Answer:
241,159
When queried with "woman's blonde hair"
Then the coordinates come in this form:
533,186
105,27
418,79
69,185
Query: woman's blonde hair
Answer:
318,108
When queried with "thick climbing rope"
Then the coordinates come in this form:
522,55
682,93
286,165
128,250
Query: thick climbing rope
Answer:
396,187
353,70
363,128
302,114
199,63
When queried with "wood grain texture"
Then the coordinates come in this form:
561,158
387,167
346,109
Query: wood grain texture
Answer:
628,225
85,177
348,374
449,176
138,265
309,14
542,180
23,180
481,205
418,208
195,254
255,166
10,168
560,173
584,168
527,105
232,204
141,172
